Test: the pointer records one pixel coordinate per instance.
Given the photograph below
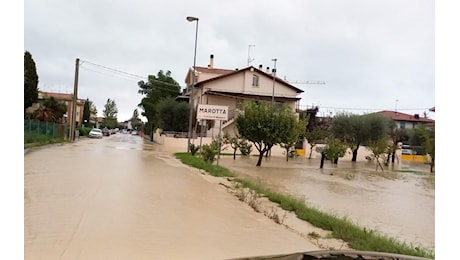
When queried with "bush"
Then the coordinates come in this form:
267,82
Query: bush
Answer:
194,149
210,151
245,147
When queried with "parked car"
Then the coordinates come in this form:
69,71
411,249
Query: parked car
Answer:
106,131
134,132
95,133
407,149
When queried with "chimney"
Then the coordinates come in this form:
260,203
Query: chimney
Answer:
211,62
273,72
268,70
416,116
260,67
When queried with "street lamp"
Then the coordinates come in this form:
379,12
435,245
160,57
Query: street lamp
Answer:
191,19
274,72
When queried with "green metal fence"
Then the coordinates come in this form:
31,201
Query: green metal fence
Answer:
49,129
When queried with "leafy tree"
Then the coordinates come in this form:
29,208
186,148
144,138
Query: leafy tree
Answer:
110,114
30,81
172,115
51,110
44,114
425,137
379,148
92,112
335,149
291,132
136,122
355,130
315,136
154,90
396,135
232,141
262,124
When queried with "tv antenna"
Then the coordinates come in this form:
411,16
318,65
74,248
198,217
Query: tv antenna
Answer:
249,56
320,82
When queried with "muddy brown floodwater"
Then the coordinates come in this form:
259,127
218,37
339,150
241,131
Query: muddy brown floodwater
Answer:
399,204
119,198
123,198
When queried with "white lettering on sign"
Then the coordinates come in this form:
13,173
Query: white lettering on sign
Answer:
212,112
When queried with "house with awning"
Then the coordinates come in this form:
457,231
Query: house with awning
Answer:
226,87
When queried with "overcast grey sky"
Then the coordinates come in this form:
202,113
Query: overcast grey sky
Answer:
372,55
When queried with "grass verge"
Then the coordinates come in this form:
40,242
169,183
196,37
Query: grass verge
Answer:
357,238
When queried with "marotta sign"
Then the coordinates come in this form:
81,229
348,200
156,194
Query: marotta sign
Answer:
212,112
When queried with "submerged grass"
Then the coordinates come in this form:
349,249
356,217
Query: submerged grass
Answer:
357,237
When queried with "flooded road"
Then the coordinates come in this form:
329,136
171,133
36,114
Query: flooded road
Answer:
398,204
119,198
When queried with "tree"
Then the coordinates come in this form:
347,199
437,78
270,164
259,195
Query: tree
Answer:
291,133
172,115
110,114
396,134
425,137
315,136
232,141
154,90
136,122
379,148
92,112
355,130
50,111
30,81
262,124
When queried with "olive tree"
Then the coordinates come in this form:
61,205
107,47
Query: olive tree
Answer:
357,130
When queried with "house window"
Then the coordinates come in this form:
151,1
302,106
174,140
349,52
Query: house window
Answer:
402,125
255,80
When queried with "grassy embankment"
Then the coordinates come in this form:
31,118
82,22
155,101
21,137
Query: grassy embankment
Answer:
357,238
33,140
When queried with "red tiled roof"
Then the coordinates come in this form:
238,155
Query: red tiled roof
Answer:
60,96
397,116
213,70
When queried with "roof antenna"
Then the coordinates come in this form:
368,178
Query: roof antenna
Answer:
249,57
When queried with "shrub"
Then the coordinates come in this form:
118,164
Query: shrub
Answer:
245,147
194,149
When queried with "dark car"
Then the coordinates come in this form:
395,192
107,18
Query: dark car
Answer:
106,132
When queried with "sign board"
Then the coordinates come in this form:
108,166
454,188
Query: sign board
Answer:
212,112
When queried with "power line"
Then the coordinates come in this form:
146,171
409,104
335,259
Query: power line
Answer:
129,75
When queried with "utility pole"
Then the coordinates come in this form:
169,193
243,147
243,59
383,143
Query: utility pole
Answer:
274,75
74,103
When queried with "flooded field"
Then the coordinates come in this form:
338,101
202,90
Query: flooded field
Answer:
400,203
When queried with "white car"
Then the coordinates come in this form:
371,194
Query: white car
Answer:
95,133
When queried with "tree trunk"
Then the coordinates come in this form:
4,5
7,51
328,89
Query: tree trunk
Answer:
287,154
323,157
261,155
336,160
355,154
234,153
311,151
432,165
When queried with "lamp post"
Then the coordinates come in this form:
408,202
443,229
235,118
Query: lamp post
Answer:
274,72
192,19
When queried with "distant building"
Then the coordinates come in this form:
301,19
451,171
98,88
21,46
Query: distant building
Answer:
407,121
67,99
